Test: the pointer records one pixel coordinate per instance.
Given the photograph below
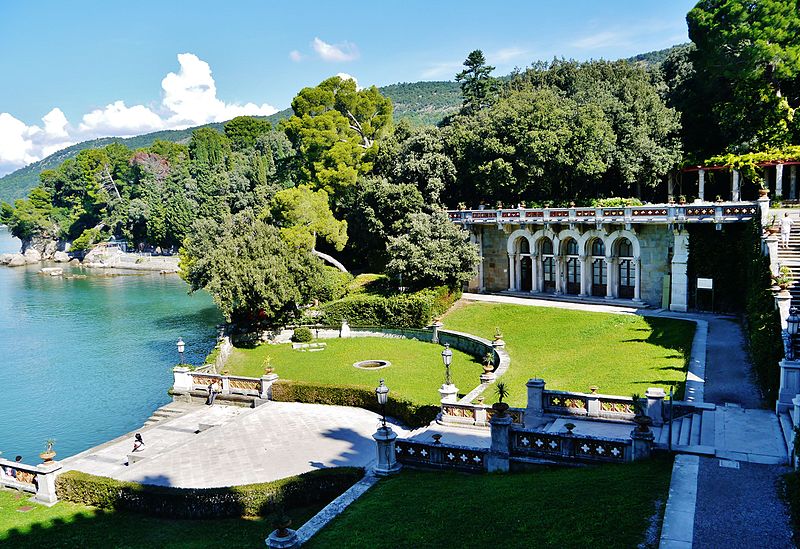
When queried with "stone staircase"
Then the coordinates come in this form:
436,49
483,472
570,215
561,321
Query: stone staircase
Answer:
171,410
691,434
791,258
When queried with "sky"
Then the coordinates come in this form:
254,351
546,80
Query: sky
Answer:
72,71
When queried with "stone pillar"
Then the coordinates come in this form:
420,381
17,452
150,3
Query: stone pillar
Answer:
670,186
387,460
181,379
482,281
436,325
679,278
498,458
772,242
344,331
225,381
790,384
46,483
655,405
701,184
449,393
735,185
266,385
283,539
637,285
793,182
642,444
592,405
586,275
763,205
535,273
783,300
779,181
535,407
512,276
557,262
610,277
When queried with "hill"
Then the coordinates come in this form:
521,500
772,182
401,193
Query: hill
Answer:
419,102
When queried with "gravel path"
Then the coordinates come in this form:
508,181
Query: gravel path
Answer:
729,375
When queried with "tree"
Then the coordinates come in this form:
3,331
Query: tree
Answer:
434,252
748,58
334,129
304,214
243,131
251,272
478,88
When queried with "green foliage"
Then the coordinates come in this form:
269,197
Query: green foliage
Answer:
303,214
332,284
87,239
748,163
434,252
397,311
478,88
250,500
302,335
243,131
248,268
412,414
615,202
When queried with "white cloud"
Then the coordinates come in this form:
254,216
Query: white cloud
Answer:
345,76
295,56
345,51
446,69
505,55
189,99
602,39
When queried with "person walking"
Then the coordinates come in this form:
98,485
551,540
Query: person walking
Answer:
213,391
138,443
786,229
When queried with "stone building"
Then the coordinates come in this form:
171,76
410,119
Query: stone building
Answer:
634,255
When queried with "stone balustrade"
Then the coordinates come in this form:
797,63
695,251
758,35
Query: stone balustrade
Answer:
415,453
187,381
39,480
536,444
724,212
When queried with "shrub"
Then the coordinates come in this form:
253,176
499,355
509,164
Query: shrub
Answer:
397,311
332,284
239,501
412,414
615,202
302,335
86,240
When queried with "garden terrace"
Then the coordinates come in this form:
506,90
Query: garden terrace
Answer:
576,350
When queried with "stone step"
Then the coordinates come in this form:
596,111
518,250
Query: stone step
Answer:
663,436
787,430
694,433
707,428
685,432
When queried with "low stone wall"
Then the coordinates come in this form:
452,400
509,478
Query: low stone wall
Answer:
36,479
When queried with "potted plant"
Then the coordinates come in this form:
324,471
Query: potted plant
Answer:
48,454
282,523
502,392
462,206
763,190
569,427
681,200
488,363
773,227
642,420
267,364
784,278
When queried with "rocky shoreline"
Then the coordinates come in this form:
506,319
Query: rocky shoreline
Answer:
98,258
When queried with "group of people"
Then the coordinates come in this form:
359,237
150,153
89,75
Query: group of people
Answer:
11,471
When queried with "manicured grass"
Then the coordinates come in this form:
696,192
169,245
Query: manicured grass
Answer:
573,350
416,372
70,525
606,506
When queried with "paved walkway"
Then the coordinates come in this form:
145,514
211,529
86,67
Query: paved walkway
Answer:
273,441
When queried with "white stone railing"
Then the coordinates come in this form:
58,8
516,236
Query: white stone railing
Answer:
36,479
185,380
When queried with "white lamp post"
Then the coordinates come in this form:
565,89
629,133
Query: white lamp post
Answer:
382,392
181,346
447,358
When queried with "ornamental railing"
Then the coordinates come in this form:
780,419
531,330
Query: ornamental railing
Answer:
725,212
537,444
440,456
187,381
476,414
588,404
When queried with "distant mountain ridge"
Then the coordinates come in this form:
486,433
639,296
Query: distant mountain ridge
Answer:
419,102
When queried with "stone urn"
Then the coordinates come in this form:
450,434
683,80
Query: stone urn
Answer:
643,423
501,408
763,192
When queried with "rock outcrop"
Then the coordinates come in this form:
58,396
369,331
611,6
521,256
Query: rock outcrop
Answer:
32,255
17,260
60,257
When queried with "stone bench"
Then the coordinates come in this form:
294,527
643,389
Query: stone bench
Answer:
311,347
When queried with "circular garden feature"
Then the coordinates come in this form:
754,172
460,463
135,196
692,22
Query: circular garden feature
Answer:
372,364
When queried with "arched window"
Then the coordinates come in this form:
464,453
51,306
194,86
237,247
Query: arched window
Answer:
547,247
572,247
599,272
627,271
573,265
598,247
548,266
625,248
524,246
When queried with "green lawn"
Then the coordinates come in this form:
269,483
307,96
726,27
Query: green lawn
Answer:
573,350
416,372
70,525
606,506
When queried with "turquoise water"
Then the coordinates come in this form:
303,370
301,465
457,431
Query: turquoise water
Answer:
86,360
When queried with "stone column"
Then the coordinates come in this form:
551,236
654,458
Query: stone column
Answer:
449,393
226,385
790,384
610,277
283,539
592,405
266,385
735,185
655,405
772,249
535,273
680,280
793,182
701,184
670,186
512,276
498,458
642,444
46,483
480,263
535,407
586,275
181,379
779,181
637,285
763,205
557,262
783,300
387,460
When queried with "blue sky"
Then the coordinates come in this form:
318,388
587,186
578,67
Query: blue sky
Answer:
101,68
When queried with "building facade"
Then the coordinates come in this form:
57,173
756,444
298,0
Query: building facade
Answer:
634,254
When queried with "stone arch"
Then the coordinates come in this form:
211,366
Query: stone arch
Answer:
511,245
565,235
611,241
585,240
539,235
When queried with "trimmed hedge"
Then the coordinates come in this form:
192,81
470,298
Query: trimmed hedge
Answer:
302,335
397,311
413,415
251,500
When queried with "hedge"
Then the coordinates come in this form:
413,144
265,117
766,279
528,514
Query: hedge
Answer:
397,311
412,414
251,500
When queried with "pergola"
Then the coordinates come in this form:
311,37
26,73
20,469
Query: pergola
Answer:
735,181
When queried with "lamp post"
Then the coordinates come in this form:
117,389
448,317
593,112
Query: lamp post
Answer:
382,392
447,358
181,346
792,326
